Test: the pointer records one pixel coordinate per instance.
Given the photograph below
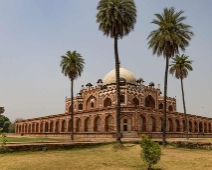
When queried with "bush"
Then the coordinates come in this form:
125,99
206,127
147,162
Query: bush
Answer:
151,152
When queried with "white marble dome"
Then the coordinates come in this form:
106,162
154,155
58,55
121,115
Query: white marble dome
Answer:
127,75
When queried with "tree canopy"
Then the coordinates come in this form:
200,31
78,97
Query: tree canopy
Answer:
116,18
180,66
4,123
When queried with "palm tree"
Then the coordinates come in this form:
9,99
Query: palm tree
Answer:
116,19
172,34
179,68
72,65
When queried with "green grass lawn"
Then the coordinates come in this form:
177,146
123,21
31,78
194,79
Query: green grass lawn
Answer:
106,157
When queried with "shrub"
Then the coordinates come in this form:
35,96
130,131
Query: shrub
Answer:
151,152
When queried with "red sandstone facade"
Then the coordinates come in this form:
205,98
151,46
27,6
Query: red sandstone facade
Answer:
95,113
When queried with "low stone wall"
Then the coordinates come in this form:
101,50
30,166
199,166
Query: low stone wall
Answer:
176,135
65,135
191,145
46,146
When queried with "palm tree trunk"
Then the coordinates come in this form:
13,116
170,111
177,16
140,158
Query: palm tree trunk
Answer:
117,64
185,117
165,94
72,110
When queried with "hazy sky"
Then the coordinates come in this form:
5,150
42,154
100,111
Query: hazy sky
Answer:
35,33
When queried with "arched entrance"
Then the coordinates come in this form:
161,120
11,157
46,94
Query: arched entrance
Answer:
63,126
177,123
195,127
107,102
190,126
98,124
109,123
135,102
126,123
149,101
170,125
79,125
200,127
87,124
141,123
152,124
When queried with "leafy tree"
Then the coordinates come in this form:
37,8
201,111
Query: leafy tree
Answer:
4,124
72,65
171,36
116,19
12,125
151,151
179,68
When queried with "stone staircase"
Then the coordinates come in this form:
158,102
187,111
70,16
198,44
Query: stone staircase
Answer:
131,134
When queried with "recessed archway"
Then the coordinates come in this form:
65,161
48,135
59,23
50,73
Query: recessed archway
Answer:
109,123
149,101
97,124
135,102
142,123
170,125
170,108
160,106
79,125
190,126
126,123
63,126
87,125
80,106
177,123
107,102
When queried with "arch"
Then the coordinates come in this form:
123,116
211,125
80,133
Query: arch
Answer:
184,127
33,127
190,126
209,128
177,125
37,127
205,128
160,106
97,124
107,102
79,125
170,108
195,127
200,127
142,123
30,128
135,101
51,126
46,127
109,125
63,125
57,126
152,124
170,125
160,125
149,101
87,124
25,128
80,106
41,127
122,98
126,123
69,125
19,128
91,102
